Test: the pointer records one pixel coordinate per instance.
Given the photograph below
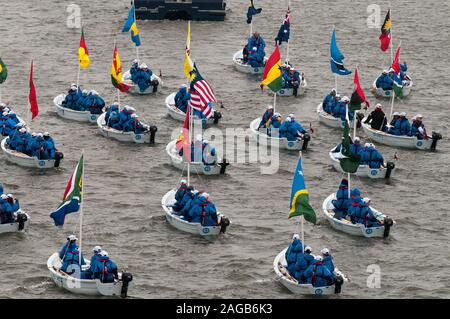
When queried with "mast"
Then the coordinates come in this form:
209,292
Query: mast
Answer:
287,46
354,134
81,210
135,21
274,101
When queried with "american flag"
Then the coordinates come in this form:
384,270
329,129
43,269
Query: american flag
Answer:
196,102
202,93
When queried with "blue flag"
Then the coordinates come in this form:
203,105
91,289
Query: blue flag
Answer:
68,207
337,58
252,11
130,25
285,29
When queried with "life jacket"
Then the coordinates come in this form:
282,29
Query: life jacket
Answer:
314,274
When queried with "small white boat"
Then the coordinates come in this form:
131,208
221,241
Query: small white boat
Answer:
69,114
24,160
379,92
21,224
134,89
179,115
290,91
197,167
130,137
91,287
348,227
262,138
192,228
363,170
329,120
244,67
280,268
411,142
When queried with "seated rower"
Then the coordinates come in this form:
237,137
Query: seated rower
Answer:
377,119
292,252
304,260
256,46
134,68
401,126
109,110
209,153
384,81
81,103
49,146
372,157
142,78
92,265
295,80
134,125
105,269
403,69
342,201
327,260
181,190
71,100
369,217
318,274
124,117
204,212
94,103
7,125
70,257
267,116
418,128
291,129
275,124
182,98
329,102
192,201
12,115
8,206
340,108
187,196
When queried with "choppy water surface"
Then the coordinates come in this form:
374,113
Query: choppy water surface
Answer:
125,183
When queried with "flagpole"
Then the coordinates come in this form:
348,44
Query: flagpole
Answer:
135,21
287,46
336,82
274,101
190,148
392,38
81,210
78,76
348,174
303,232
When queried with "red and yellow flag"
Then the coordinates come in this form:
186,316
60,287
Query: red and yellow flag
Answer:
116,73
272,72
83,53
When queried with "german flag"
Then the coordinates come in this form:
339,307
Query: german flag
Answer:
272,72
116,73
385,37
83,53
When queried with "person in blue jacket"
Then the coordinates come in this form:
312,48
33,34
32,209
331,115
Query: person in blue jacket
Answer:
37,147
267,116
81,103
342,201
124,117
187,196
12,115
209,153
134,125
193,201
182,98
292,252
401,126
284,127
181,190
93,263
318,274
256,46
327,259
403,69
49,146
94,103
418,128
384,81
112,108
6,211
285,74
375,159
275,124
329,102
71,100
369,217
70,256
142,77
7,125
355,195
293,129
105,269
134,68
304,260
203,212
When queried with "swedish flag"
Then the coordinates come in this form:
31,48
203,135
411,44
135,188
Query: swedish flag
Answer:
130,25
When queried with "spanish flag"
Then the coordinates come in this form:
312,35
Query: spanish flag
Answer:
272,72
130,25
188,65
83,53
300,197
385,37
116,73
3,72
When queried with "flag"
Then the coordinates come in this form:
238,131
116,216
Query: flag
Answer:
130,25
183,141
34,109
252,11
358,96
83,53
3,72
73,195
337,58
300,197
116,73
285,29
188,65
385,37
350,162
396,64
201,89
196,103
398,85
272,76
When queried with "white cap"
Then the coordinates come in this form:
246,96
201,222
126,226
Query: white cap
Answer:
46,134
85,91
73,87
385,72
276,114
296,236
2,104
292,116
292,69
143,66
183,85
3,196
337,96
205,195
22,130
357,139
325,251
195,191
418,116
396,113
5,113
367,145
97,249
183,181
104,253
206,141
270,107
366,200
34,134
7,109
318,258
131,109
308,248
10,195
133,115
391,70
135,61
288,119
40,135
403,114
345,99
126,107
378,106
72,237
12,112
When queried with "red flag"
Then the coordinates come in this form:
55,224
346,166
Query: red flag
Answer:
396,64
385,37
32,96
358,95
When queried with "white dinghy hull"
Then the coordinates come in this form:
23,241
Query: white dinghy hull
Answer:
14,227
177,114
183,225
82,286
410,142
328,119
24,160
380,93
134,89
66,113
128,137
363,170
347,227
196,167
246,68
282,143
280,268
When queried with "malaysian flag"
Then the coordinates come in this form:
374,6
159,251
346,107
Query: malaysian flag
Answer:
196,103
202,94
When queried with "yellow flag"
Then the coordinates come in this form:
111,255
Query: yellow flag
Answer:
188,64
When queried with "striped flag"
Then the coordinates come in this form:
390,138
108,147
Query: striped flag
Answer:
196,103
202,94
130,26
116,73
83,53
272,76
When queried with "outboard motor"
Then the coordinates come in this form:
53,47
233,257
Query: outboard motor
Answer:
58,157
217,116
21,219
223,166
389,168
306,139
153,130
155,84
224,223
126,279
436,137
359,117
387,226
295,86
339,281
